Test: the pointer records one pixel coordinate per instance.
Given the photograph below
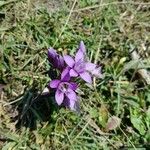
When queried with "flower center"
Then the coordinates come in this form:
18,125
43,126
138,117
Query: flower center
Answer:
79,66
63,87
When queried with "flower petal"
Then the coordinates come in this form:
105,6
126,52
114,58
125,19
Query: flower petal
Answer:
65,101
51,53
54,83
61,62
81,53
72,104
73,73
86,77
90,66
65,76
82,47
55,59
77,106
69,60
59,97
97,72
52,57
71,95
80,56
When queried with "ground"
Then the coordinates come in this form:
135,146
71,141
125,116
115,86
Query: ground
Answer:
114,111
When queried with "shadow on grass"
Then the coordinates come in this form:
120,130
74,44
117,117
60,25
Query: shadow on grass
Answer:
34,107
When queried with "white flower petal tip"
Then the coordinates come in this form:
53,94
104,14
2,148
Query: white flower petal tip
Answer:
45,91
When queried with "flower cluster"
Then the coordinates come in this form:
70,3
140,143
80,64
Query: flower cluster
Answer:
70,68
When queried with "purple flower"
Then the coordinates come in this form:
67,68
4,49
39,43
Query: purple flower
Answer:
80,67
55,59
78,64
65,90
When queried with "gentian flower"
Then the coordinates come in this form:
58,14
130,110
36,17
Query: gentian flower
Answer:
77,65
80,67
65,90
55,59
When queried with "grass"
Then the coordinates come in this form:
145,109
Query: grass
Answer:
110,29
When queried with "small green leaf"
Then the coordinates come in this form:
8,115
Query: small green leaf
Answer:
136,120
103,115
93,113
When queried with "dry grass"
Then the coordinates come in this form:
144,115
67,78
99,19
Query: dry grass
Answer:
110,30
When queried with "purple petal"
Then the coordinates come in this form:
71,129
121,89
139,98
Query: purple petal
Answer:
54,83
77,105
55,59
51,53
90,66
65,101
52,57
73,73
79,66
69,60
65,76
93,69
82,47
73,86
79,56
72,104
71,95
86,77
97,72
59,97
61,62
72,99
